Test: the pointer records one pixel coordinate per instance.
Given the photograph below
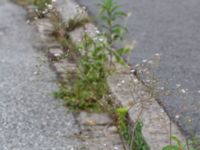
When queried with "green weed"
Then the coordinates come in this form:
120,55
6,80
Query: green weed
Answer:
90,86
42,7
135,142
114,32
139,141
76,23
122,124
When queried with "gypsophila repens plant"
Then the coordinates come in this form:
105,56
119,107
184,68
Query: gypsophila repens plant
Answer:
38,9
42,7
110,13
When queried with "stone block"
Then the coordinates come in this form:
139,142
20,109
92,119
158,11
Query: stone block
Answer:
69,9
85,118
55,54
44,27
77,35
62,67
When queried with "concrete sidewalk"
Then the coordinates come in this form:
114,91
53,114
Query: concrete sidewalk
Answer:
30,118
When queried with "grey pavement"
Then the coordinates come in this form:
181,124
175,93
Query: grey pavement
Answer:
171,28
30,118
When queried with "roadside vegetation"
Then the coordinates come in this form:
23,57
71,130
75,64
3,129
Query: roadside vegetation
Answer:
96,58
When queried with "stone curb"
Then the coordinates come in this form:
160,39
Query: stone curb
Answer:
130,93
156,129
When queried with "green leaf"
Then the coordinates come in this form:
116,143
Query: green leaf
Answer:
171,147
178,142
123,51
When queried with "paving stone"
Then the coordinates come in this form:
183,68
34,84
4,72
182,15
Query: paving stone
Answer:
69,10
55,54
62,67
85,118
53,44
112,129
98,137
45,27
78,34
104,144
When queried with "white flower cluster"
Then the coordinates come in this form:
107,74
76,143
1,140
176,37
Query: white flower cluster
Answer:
43,11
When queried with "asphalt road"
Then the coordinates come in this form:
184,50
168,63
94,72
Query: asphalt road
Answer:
30,118
171,28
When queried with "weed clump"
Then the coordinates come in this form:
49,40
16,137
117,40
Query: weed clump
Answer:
122,124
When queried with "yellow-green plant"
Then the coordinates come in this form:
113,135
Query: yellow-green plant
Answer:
122,124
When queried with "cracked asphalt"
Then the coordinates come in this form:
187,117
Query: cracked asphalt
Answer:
171,28
30,118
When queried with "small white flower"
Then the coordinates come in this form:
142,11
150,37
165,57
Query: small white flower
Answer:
97,31
178,85
177,116
50,6
122,81
56,54
135,80
157,54
101,39
116,148
132,71
183,91
144,61
119,84
53,0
